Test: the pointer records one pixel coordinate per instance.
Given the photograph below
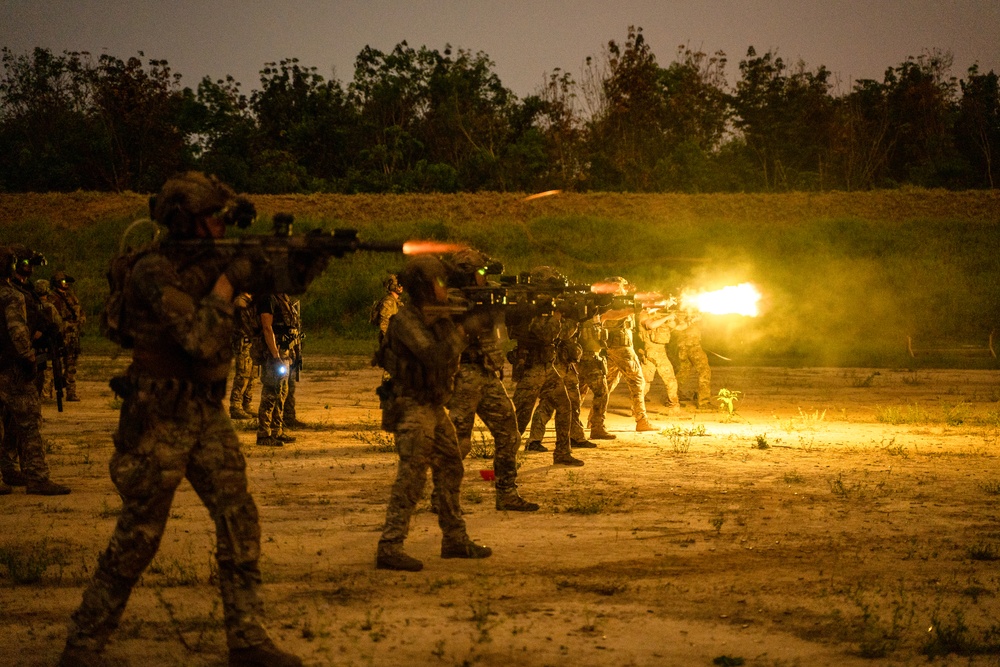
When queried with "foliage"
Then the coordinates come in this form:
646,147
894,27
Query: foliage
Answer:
429,120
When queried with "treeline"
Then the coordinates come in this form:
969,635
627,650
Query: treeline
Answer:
423,120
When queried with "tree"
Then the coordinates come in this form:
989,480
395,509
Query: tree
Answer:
977,128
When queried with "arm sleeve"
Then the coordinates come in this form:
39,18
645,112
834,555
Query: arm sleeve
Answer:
16,316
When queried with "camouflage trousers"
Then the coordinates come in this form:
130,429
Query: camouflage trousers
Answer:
424,437
22,448
692,359
594,376
241,395
270,414
288,415
170,430
657,361
624,363
544,382
69,369
545,408
479,392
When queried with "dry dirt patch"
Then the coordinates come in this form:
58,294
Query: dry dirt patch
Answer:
839,517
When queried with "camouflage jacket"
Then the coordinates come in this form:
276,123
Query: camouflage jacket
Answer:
422,359
181,329
70,310
15,334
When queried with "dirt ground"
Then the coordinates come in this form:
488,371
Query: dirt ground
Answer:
838,517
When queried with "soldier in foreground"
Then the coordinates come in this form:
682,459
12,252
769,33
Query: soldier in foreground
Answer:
479,390
173,425
73,319
20,404
420,353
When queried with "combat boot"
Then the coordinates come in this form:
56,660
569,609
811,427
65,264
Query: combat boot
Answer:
565,459
600,433
237,413
464,549
72,398
268,441
644,425
15,478
47,488
294,422
262,655
512,501
535,446
77,656
284,437
582,444
5,490
392,557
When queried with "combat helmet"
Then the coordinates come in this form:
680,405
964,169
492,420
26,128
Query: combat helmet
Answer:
420,275
391,284
190,195
464,265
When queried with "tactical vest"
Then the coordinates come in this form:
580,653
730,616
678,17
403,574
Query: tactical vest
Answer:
620,332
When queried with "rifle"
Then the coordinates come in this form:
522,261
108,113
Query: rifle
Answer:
573,300
52,348
293,260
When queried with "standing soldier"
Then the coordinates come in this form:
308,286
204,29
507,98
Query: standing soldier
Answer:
654,331
387,306
538,368
593,371
53,322
479,389
20,404
73,320
691,356
244,332
173,425
289,415
623,362
274,356
420,353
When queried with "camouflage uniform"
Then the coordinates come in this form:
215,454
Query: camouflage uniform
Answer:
593,372
173,426
274,388
422,360
655,343
623,362
244,332
73,319
49,311
539,372
19,400
692,357
289,415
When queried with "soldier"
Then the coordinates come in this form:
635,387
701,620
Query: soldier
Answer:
691,356
289,415
654,331
277,331
479,390
420,353
20,404
387,306
173,424
50,315
623,362
246,368
593,372
539,369
74,319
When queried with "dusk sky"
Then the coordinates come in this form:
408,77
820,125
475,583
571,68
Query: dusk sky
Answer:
525,38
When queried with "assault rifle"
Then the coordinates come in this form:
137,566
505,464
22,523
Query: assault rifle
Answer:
518,292
52,349
289,262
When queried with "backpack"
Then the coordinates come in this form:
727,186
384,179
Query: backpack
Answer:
114,316
375,313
